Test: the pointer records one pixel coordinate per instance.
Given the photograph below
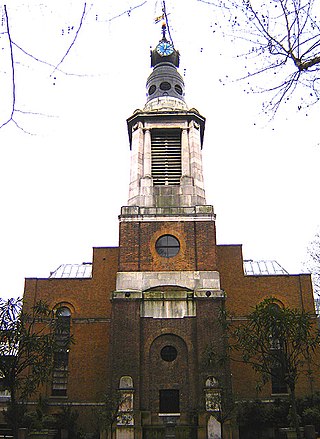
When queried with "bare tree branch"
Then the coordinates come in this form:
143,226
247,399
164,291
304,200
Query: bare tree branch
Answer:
12,44
127,12
74,39
46,62
283,46
13,101
56,67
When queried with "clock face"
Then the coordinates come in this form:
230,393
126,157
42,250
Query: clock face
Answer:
164,48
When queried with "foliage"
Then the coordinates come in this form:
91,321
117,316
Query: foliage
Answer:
14,415
39,418
311,416
276,337
280,40
278,342
309,410
257,415
107,414
210,360
67,419
27,347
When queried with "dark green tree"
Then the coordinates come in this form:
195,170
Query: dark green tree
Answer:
27,348
255,416
279,343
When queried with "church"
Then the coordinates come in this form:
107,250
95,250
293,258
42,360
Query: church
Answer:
146,315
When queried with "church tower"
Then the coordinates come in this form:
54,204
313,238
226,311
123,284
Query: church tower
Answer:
167,303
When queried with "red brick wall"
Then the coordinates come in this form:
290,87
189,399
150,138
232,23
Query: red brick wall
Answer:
197,246
243,293
90,305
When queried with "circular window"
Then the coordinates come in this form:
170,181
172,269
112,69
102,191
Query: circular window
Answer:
169,353
152,89
167,246
165,86
178,89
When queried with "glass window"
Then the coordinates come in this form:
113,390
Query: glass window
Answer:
63,311
167,246
169,401
165,86
152,89
169,353
61,355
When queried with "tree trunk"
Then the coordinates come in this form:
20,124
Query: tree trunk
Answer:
295,418
14,418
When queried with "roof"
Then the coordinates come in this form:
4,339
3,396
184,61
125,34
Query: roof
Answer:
251,268
263,268
81,271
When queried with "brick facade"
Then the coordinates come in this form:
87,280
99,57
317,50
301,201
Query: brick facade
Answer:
197,240
112,340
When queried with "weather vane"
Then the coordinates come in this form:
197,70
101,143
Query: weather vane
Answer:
165,23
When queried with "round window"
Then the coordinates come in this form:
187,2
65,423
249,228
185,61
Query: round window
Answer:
178,89
165,86
169,353
152,89
167,246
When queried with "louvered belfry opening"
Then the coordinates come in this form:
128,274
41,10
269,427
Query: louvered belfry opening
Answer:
166,156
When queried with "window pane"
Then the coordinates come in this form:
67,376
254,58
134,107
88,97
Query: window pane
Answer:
169,353
63,312
167,246
171,241
169,401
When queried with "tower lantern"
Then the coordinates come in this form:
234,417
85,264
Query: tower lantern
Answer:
166,139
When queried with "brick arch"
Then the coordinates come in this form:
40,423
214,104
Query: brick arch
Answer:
65,304
279,300
168,374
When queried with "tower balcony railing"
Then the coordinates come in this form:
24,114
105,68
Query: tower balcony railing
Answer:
168,210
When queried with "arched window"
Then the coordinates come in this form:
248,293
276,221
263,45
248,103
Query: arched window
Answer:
61,355
63,311
278,370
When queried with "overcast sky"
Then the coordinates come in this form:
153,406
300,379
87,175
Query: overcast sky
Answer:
63,185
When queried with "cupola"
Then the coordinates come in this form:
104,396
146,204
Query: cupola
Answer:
165,85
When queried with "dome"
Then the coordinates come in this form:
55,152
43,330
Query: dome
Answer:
165,84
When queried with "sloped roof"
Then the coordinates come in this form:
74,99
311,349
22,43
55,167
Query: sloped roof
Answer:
263,268
83,270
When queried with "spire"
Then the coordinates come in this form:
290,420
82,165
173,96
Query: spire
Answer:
165,85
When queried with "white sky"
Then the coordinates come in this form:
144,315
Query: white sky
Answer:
62,188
